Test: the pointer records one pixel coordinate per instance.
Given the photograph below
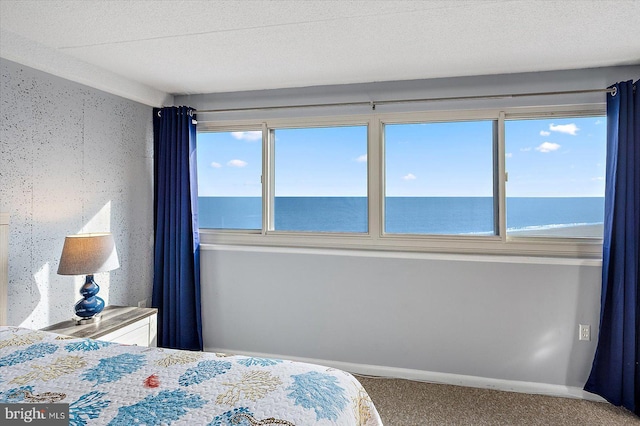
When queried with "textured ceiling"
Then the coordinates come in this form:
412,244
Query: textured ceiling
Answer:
186,47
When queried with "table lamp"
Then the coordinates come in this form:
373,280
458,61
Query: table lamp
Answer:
86,254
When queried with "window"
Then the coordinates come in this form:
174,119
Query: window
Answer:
229,175
321,179
439,178
556,172
483,181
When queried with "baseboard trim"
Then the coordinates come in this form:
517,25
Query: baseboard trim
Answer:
434,377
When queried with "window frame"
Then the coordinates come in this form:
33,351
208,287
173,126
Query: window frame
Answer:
495,153
272,166
376,238
240,127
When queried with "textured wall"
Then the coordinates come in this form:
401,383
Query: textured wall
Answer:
73,159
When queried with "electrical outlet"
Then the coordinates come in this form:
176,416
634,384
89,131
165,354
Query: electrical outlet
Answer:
142,303
584,332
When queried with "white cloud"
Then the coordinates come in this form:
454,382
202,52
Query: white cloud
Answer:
544,133
362,158
509,154
237,163
548,147
598,178
598,122
525,149
410,176
569,129
247,136
216,165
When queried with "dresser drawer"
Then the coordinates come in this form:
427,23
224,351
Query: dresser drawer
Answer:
133,334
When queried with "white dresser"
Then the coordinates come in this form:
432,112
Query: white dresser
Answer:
119,324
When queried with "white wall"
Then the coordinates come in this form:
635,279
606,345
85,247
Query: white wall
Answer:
73,159
501,318
494,317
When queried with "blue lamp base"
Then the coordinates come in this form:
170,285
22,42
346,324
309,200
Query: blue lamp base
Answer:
89,308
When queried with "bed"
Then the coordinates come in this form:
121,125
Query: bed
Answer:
108,383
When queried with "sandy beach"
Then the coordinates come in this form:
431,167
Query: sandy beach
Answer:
569,231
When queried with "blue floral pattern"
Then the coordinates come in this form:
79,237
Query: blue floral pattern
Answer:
228,418
262,362
205,370
87,407
319,392
114,368
163,408
23,355
86,345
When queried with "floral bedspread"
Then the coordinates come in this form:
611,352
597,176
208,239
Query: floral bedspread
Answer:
108,383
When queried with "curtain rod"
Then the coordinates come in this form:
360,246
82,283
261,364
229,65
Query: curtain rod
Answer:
373,104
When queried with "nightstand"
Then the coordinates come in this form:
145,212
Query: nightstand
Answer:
119,324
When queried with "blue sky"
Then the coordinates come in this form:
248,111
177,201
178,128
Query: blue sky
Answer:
556,157
548,157
229,164
439,159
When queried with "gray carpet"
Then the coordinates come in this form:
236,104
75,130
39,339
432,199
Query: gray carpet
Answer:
405,403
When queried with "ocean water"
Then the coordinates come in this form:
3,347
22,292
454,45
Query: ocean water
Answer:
403,215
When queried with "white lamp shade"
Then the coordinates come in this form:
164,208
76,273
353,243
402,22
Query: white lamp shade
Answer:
86,254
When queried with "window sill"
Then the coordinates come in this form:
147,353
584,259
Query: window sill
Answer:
512,246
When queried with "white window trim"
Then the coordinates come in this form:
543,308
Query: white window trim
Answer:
375,238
